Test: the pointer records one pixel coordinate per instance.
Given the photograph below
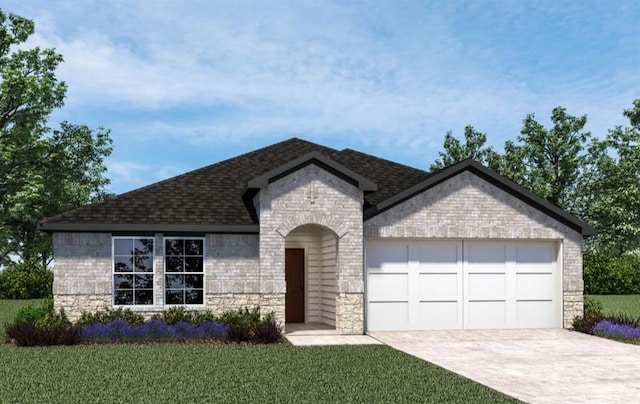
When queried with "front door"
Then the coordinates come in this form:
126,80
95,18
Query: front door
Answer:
294,277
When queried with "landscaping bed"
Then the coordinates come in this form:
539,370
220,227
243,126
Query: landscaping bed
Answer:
44,326
615,317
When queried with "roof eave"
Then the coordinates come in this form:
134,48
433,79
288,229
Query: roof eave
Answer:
146,227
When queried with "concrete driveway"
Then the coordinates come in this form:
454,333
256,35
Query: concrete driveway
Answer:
536,366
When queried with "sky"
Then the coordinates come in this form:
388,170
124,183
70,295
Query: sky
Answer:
185,84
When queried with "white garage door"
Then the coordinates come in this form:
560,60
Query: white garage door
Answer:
426,285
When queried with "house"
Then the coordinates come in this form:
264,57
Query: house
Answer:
319,235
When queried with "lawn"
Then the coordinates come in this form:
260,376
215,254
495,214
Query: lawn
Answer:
616,304
154,373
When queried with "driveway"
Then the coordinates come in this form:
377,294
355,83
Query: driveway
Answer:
536,366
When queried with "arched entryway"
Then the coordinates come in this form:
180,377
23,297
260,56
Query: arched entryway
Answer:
310,274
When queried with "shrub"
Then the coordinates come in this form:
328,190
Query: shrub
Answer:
107,315
610,329
155,330
624,319
35,314
611,274
592,315
42,326
178,314
203,316
32,334
238,333
240,323
268,331
26,280
247,318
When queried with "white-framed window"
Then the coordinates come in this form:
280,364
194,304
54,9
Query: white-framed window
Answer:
183,271
133,271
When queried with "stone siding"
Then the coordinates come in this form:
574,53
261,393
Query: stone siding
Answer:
468,207
81,272
573,305
350,313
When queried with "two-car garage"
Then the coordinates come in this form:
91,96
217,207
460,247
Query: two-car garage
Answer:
462,284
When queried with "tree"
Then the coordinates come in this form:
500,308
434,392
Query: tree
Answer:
549,161
546,161
43,172
474,148
611,186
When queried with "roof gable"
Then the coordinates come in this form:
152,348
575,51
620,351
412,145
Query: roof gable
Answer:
492,177
321,161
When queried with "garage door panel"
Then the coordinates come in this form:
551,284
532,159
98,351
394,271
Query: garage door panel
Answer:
486,286
388,287
541,253
438,257
535,286
438,286
388,316
536,314
441,315
481,254
387,257
486,314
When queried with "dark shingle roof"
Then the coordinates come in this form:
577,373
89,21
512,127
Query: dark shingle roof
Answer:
212,195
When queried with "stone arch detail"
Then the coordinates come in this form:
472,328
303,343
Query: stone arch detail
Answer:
323,219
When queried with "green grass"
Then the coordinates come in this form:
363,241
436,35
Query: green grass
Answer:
620,304
157,373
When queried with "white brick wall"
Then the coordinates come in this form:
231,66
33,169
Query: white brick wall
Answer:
311,196
466,206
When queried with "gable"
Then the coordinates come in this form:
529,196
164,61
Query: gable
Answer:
491,177
467,206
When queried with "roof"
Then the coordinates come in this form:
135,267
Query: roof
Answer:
492,177
217,198
211,198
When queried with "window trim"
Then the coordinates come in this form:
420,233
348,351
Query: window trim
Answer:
133,306
203,273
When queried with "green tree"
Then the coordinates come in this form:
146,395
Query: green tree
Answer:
549,161
610,187
43,172
474,147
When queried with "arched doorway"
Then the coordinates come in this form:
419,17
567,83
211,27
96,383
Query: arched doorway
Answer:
310,274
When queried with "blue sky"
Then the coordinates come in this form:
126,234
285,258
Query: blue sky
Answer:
184,84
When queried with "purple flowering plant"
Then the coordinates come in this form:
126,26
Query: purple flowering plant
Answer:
153,330
609,329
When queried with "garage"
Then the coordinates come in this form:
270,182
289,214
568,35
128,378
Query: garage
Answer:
462,284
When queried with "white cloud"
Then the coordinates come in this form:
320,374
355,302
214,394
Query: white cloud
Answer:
395,78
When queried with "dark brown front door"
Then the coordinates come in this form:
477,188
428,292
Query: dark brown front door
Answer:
294,277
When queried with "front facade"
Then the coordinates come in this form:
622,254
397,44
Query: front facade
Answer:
329,237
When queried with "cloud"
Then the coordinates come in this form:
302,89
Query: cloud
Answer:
391,78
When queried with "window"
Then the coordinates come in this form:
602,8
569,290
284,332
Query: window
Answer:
132,271
184,271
